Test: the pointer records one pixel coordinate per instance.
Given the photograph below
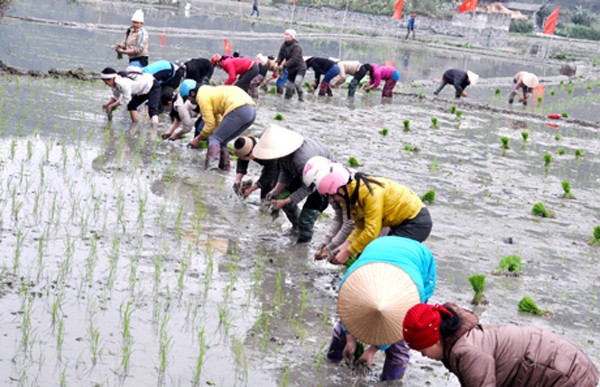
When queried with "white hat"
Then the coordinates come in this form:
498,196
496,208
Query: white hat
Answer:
473,78
530,80
138,16
262,59
277,142
373,301
291,32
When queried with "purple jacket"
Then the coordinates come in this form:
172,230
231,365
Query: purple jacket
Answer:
381,73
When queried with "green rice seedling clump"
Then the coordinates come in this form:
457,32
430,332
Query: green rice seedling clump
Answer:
578,153
596,237
459,114
547,159
434,123
278,117
509,265
552,93
560,151
353,162
540,99
527,305
478,283
409,148
504,141
558,137
525,136
566,186
565,115
273,90
453,109
498,91
406,125
428,197
539,209
384,132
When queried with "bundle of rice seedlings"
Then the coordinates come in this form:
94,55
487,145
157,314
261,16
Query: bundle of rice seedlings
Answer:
504,141
540,210
278,117
384,132
478,283
566,185
509,265
596,237
428,197
527,305
353,162
434,123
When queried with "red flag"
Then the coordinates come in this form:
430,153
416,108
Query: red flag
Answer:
550,24
398,9
467,5
227,46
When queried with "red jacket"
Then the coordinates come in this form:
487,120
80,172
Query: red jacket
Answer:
235,67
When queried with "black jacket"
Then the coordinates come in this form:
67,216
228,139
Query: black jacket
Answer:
458,78
292,53
320,66
199,69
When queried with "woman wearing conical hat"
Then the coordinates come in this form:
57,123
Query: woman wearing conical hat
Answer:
391,276
524,82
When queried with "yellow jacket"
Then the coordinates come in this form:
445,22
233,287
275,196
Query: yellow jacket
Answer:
387,206
216,102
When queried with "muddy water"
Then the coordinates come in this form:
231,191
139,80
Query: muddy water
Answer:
123,263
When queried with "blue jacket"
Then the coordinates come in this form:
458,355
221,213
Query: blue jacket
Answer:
162,70
409,255
411,23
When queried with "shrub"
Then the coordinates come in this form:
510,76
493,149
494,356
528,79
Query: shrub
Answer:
520,26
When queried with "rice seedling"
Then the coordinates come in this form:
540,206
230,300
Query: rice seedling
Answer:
509,265
527,305
273,90
539,100
504,141
565,115
91,260
578,153
453,109
409,148
478,283
498,91
223,317
308,87
56,307
142,209
434,165
547,159
18,248
278,117
26,307
178,222
60,337
278,288
540,210
353,162
566,186
459,114
384,132
570,90
434,123
406,124
351,260
428,197
558,137
202,347
595,241
560,151
240,358
94,341
525,136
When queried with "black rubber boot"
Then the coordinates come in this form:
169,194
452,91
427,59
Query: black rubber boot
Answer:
306,224
292,212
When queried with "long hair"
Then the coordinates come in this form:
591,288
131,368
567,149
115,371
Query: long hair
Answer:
450,324
367,181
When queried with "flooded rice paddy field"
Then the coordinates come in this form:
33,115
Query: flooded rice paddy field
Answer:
124,263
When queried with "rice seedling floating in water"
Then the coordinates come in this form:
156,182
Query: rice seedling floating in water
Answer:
565,115
509,265
525,136
558,137
353,162
384,131
560,151
428,197
539,209
434,123
498,91
578,153
406,125
595,241
566,185
547,159
504,141
278,117
478,283
527,305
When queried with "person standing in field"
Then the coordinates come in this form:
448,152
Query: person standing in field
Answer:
135,44
255,8
410,26
290,58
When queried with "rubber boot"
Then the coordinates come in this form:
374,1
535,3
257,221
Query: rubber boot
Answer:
329,91
289,92
213,157
306,224
225,159
323,89
300,94
280,90
292,212
337,345
352,88
396,361
439,88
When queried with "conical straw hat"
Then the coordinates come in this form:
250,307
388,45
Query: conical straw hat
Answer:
530,80
473,78
373,301
277,142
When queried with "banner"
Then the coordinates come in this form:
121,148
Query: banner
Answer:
467,5
550,24
227,46
398,9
